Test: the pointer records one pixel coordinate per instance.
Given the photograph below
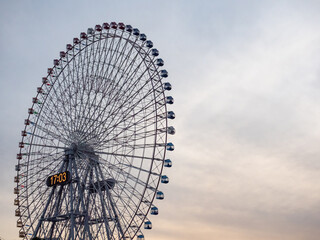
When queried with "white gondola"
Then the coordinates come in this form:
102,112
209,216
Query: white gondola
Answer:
90,31
17,213
16,179
62,54
16,202
168,163
19,223
22,234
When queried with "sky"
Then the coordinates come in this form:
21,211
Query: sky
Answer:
246,81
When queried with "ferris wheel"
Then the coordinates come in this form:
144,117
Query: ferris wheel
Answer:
95,141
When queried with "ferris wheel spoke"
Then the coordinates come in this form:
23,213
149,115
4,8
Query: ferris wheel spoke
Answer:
134,94
122,60
108,53
129,117
64,111
84,66
59,128
131,77
118,96
67,79
135,179
48,146
142,169
124,155
128,187
125,114
59,107
130,176
136,133
94,72
121,170
89,84
36,182
45,119
55,105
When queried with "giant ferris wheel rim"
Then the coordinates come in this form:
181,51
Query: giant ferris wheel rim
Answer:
115,123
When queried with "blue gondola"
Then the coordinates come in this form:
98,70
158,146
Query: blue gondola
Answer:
143,37
167,86
170,146
159,195
136,32
159,62
164,73
154,211
168,163
154,52
171,115
164,179
147,225
149,44
169,100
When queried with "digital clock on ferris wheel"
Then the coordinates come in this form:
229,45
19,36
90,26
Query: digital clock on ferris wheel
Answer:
59,179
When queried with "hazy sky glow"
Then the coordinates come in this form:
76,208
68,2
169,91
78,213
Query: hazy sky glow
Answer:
246,78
